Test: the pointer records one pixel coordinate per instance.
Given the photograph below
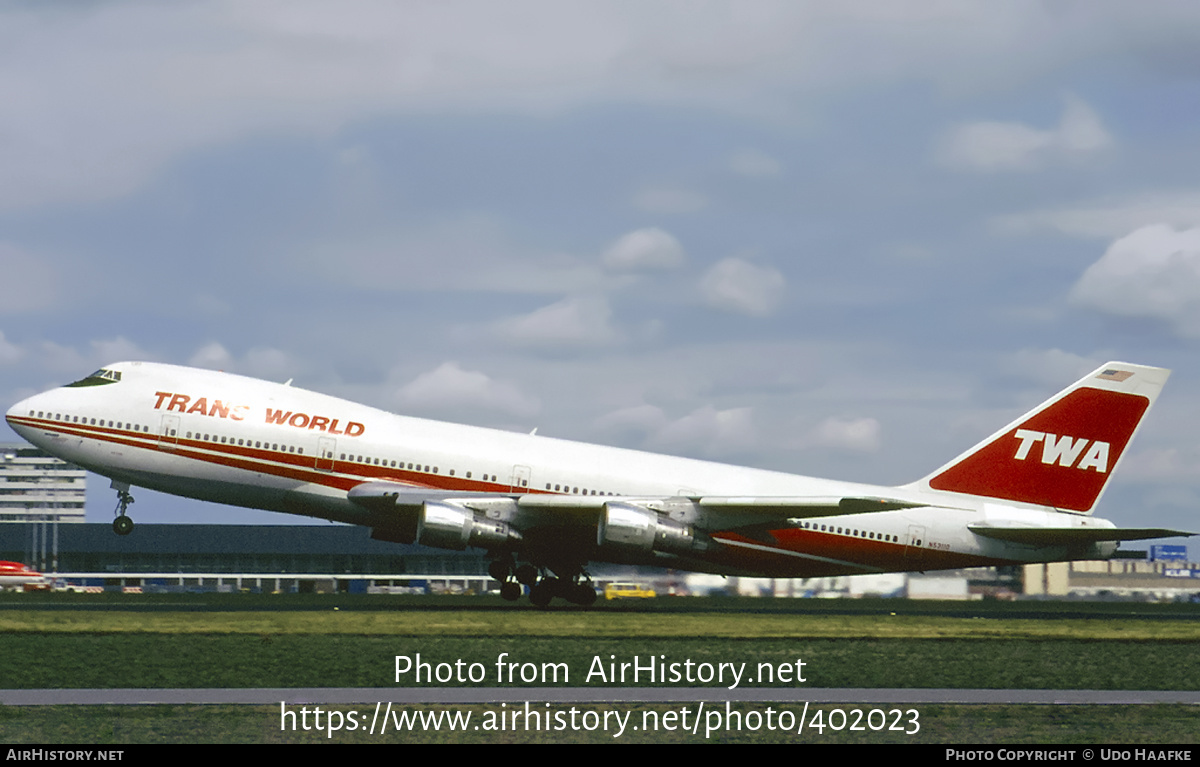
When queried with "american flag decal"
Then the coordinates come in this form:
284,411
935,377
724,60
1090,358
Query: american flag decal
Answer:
1114,375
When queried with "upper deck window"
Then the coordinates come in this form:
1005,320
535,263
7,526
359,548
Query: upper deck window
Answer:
99,378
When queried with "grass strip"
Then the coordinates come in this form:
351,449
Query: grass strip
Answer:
154,660
530,623
962,724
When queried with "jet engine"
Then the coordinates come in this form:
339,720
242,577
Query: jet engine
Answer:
447,526
634,530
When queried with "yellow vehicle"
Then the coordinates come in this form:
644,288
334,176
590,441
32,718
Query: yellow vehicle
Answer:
632,590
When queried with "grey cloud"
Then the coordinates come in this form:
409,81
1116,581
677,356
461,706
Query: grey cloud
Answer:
100,99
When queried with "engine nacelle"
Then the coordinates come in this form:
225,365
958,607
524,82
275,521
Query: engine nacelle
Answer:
636,530
452,527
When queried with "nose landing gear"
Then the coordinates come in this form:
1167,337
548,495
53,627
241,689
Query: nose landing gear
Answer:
122,524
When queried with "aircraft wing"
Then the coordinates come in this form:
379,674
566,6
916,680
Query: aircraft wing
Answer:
400,506
803,507
754,508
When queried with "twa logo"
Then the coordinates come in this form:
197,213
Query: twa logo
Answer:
1064,450
1050,465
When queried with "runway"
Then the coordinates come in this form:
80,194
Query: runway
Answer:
294,696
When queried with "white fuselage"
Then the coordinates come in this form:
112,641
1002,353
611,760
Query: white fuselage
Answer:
241,441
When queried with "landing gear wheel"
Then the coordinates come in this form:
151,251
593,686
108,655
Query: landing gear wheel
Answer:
526,574
543,591
122,525
583,594
499,569
510,591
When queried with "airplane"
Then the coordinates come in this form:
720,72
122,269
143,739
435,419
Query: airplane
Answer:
543,508
14,575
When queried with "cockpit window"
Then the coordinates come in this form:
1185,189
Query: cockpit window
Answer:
99,378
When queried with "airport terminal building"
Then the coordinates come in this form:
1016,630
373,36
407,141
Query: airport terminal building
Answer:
36,486
235,557
258,558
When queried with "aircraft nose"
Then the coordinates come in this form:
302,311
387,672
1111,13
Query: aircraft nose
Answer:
20,411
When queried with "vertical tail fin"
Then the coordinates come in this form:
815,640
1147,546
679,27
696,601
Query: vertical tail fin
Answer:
1063,452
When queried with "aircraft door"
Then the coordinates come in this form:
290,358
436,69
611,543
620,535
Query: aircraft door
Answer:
326,447
915,545
520,479
168,432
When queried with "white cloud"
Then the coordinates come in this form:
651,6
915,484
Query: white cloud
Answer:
1153,272
649,248
737,286
572,323
755,164
451,388
1010,146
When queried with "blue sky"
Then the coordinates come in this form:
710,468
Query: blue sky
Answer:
845,240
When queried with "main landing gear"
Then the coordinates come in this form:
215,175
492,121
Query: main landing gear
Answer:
578,590
122,524
543,586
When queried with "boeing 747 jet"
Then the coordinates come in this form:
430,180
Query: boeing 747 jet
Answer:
544,508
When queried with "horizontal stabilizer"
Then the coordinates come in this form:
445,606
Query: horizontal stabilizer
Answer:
1066,536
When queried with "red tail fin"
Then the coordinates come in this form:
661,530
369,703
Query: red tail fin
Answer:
1062,453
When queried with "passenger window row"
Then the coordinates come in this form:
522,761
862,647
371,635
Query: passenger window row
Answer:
204,437
576,490
868,534
84,420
